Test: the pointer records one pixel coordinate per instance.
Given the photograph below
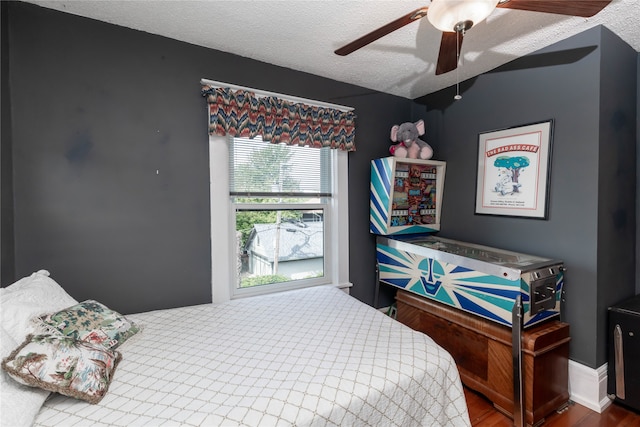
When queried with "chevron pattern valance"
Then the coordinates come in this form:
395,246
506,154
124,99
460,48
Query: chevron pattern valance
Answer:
242,113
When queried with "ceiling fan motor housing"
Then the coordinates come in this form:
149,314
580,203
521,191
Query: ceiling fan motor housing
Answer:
459,16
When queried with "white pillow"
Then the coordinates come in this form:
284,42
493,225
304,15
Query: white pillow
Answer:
27,298
19,404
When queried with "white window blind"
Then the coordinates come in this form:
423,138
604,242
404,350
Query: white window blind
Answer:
261,169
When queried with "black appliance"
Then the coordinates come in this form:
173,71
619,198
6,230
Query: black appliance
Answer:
623,375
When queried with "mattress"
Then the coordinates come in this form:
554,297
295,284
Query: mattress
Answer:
311,357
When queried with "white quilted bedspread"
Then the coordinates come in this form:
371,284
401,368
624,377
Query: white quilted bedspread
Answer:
312,357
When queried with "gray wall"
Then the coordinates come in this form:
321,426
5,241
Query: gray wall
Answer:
591,224
96,110
6,172
617,216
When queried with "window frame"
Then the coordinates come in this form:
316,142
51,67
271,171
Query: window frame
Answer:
223,259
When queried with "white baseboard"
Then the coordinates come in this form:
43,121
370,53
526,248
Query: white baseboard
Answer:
588,386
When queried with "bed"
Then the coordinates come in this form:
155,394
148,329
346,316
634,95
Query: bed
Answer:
311,357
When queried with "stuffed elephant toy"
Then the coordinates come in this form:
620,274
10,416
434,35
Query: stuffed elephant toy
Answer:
407,135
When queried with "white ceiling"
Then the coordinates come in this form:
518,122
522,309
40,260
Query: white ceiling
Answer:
302,35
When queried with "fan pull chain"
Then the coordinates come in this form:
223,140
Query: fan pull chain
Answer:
457,96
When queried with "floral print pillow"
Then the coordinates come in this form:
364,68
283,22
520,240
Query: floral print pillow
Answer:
64,365
92,322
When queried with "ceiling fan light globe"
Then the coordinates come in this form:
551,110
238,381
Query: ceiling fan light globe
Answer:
446,14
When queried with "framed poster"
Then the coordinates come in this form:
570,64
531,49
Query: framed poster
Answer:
514,170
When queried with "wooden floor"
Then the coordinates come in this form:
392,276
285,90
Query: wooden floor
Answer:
483,414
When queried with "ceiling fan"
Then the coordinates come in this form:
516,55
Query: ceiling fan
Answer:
455,17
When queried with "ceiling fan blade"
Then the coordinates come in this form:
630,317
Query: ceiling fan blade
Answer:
382,31
450,46
583,8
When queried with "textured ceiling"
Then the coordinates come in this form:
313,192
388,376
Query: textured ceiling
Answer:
302,35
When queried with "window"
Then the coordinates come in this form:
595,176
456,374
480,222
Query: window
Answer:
285,208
